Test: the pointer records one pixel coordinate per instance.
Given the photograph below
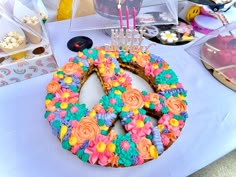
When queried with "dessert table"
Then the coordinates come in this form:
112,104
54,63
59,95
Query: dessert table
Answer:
29,149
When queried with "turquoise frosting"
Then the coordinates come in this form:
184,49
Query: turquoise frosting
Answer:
93,55
162,79
50,96
105,101
82,112
126,156
82,155
126,57
66,145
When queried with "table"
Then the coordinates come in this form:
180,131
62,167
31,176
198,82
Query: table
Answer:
28,148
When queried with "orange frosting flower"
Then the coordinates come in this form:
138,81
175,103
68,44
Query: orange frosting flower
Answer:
163,87
112,135
143,147
154,98
74,100
97,107
133,98
50,107
71,68
107,85
53,87
87,129
142,60
114,160
176,105
109,72
171,136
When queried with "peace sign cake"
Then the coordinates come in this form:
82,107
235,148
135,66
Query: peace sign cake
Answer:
88,133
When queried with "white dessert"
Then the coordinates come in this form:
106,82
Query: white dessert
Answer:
169,37
34,23
30,20
12,40
164,16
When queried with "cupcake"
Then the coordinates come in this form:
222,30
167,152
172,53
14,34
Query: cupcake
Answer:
13,42
34,23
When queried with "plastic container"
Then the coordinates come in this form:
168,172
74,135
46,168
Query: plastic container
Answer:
217,52
122,14
108,8
24,47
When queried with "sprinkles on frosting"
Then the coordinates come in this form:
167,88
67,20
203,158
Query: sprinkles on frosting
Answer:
87,133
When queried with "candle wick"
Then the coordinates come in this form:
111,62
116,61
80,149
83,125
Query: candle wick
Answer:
119,4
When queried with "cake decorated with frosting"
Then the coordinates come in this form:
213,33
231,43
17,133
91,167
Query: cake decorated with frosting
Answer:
88,133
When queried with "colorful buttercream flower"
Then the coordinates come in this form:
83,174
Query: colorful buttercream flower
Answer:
164,120
76,111
53,87
163,87
112,100
138,126
113,160
125,56
152,69
101,150
98,108
91,53
125,149
72,68
176,105
143,147
133,98
124,80
108,84
112,135
153,98
72,82
86,129
142,59
174,127
165,139
66,95
166,77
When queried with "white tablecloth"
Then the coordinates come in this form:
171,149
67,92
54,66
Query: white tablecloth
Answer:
28,148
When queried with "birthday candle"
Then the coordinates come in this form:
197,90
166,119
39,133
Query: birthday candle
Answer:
127,17
134,17
120,14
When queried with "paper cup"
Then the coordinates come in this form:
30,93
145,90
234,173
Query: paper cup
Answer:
31,36
16,56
